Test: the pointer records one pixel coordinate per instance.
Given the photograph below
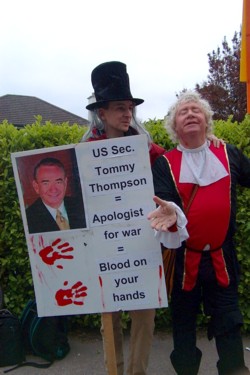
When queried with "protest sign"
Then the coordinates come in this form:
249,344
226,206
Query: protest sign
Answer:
108,259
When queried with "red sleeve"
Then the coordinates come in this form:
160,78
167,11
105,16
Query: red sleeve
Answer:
173,228
155,151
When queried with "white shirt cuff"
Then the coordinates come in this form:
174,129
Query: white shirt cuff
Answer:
173,240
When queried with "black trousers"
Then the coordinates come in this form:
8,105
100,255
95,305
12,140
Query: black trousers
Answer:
221,304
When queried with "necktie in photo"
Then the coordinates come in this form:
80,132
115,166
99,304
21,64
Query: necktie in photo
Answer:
61,221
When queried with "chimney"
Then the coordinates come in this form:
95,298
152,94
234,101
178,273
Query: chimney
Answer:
91,99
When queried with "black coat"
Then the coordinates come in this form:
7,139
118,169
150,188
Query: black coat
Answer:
40,220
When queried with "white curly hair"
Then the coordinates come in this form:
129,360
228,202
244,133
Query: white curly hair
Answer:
184,97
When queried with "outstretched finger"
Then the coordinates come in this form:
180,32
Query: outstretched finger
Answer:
158,201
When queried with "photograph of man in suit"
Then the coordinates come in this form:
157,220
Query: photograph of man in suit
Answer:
53,210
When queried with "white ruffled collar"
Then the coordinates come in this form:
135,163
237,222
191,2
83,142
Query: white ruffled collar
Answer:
200,165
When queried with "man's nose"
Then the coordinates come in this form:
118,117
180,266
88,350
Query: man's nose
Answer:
190,113
128,112
53,187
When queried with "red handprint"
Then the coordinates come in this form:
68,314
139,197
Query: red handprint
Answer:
50,254
74,295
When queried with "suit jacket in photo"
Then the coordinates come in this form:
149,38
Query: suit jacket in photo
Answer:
40,219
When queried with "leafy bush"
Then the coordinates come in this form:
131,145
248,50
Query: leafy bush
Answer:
15,272
239,135
158,133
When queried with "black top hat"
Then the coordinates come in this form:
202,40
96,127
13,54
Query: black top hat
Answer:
110,81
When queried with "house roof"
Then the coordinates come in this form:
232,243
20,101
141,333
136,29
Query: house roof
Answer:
20,110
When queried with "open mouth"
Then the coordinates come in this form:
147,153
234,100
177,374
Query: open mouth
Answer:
191,123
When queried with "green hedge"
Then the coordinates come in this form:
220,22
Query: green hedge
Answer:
15,272
239,135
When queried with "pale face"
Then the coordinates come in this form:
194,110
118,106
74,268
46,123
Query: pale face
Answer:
117,117
190,124
51,185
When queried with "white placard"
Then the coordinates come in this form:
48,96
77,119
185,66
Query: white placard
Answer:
111,262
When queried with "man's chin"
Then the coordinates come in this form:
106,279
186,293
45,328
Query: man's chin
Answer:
54,204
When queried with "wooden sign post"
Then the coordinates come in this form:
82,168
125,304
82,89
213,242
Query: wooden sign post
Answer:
109,343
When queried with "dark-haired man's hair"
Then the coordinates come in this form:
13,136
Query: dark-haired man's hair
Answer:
48,162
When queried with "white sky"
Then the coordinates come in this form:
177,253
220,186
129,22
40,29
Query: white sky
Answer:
49,47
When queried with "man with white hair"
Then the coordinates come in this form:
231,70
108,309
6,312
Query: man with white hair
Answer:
200,178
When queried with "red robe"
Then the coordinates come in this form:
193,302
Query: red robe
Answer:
204,228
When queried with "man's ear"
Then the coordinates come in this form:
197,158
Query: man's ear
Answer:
101,113
35,186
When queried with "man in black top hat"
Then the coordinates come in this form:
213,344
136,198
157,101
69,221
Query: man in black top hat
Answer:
113,115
